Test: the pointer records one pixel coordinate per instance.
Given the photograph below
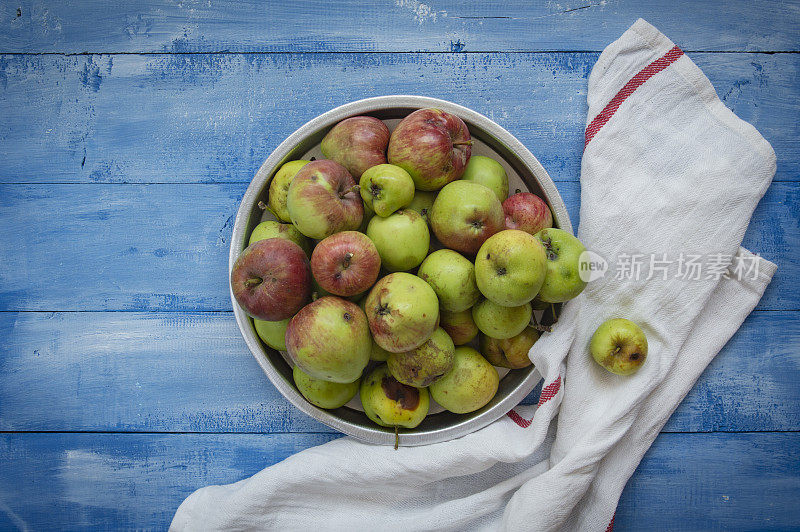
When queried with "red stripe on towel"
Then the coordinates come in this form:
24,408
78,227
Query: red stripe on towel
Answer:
610,526
635,82
548,392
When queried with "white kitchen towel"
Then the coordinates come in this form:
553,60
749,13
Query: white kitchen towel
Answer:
669,178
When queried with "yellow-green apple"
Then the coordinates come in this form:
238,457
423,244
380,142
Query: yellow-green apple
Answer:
464,215
496,321
346,263
452,277
402,239
527,212
323,199
619,345
324,394
469,385
489,173
390,403
271,279
459,325
357,143
272,229
433,146
386,188
511,352
272,333
329,340
279,188
422,203
510,267
402,311
378,353
425,364
562,281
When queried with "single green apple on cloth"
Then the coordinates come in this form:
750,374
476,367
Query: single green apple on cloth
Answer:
619,345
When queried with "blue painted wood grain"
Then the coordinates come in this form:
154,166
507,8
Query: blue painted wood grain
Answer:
87,140
387,25
216,117
192,372
78,481
165,247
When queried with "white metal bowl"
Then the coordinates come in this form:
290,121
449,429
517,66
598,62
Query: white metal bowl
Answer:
525,173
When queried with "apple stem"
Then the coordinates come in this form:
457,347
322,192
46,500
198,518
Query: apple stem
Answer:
518,191
314,296
463,143
347,259
262,205
553,310
253,281
396,438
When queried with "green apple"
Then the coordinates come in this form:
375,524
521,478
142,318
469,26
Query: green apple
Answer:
469,385
272,333
496,321
422,203
271,229
386,188
464,215
402,239
378,353
459,325
402,311
510,267
619,345
562,281
322,393
329,340
425,364
489,173
390,403
279,188
452,277
511,352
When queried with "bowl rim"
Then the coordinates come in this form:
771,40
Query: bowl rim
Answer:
379,435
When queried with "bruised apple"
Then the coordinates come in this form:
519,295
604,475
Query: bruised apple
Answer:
390,403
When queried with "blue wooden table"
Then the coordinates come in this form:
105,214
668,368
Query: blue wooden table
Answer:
128,134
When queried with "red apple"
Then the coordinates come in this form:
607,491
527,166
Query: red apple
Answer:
324,199
346,263
271,279
433,146
464,215
527,212
357,143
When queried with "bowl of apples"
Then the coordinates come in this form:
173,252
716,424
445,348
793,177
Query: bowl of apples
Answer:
392,263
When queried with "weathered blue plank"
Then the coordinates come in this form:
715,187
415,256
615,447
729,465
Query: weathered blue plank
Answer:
212,118
165,247
399,25
170,372
77,481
